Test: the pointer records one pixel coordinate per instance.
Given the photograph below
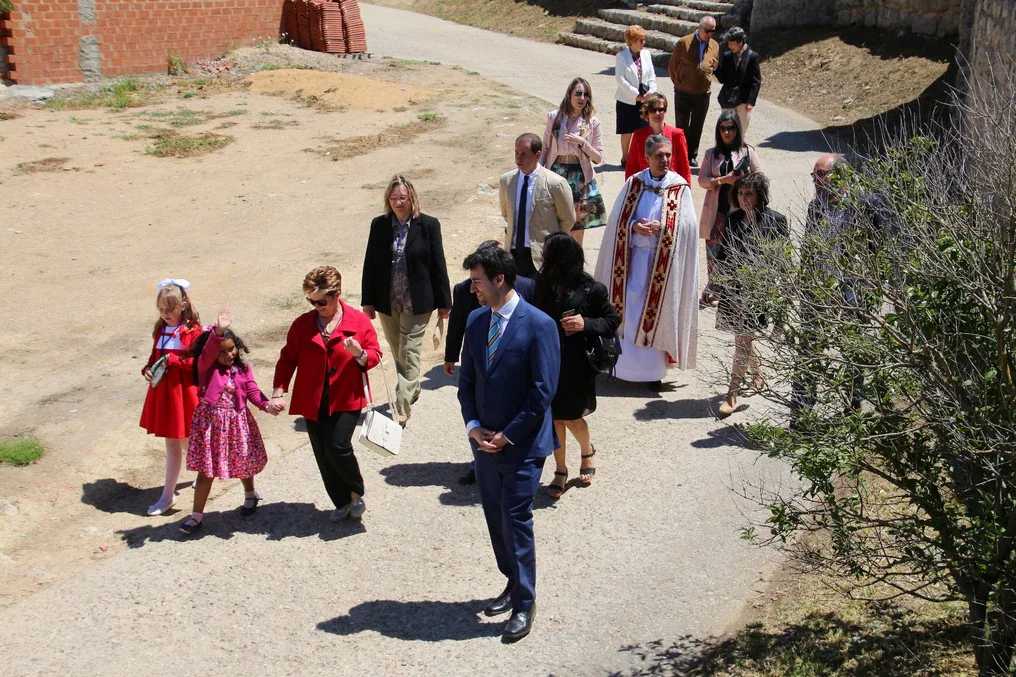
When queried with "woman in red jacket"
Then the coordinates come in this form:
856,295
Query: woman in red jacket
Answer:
330,348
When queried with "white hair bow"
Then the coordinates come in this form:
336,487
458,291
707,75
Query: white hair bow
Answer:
182,284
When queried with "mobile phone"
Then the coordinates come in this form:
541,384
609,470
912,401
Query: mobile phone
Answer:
569,313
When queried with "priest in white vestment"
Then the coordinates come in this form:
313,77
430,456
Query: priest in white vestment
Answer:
648,261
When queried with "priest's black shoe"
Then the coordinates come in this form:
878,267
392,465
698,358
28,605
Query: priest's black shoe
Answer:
501,605
519,625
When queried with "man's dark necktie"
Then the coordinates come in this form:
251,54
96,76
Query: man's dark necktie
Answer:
520,216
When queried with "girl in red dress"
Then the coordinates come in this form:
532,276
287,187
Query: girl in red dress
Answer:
170,403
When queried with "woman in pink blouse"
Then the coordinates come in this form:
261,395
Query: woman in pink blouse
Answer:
572,144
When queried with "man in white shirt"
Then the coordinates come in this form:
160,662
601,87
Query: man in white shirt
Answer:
535,202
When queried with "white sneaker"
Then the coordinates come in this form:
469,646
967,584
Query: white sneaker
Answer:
160,507
357,508
339,514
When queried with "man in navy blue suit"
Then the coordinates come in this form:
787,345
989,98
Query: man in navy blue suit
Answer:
463,304
510,365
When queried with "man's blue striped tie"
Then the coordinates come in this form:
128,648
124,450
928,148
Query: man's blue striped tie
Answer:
493,337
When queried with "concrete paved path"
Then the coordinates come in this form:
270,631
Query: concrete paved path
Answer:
648,555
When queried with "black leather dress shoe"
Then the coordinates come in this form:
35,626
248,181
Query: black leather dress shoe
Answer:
501,605
519,625
468,478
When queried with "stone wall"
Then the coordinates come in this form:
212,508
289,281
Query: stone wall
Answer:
992,43
927,17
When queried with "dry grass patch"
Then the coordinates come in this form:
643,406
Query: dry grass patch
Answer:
8,115
395,135
50,164
174,144
275,124
533,19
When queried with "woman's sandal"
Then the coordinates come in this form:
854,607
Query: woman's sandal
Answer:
586,474
247,512
190,526
555,491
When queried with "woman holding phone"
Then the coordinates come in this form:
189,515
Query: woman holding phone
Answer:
566,292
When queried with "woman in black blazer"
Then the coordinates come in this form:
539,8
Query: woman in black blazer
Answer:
744,239
405,278
581,307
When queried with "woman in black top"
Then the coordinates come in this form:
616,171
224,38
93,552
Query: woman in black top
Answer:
568,294
405,278
745,234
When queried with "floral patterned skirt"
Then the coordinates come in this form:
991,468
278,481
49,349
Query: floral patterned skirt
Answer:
225,443
590,212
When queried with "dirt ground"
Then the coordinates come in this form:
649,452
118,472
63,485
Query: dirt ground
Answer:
84,244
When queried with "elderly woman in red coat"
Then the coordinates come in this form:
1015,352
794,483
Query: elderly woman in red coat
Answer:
330,348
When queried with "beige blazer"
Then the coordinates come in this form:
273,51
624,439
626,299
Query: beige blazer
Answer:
553,208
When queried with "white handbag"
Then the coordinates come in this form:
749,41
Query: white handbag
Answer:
379,433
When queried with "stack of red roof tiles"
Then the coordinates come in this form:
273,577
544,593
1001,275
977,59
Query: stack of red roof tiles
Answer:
332,26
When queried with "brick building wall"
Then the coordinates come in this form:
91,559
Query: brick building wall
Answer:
54,41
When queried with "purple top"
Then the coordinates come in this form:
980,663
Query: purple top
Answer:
213,377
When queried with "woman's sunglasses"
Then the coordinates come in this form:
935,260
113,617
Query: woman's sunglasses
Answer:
320,303
728,128
658,110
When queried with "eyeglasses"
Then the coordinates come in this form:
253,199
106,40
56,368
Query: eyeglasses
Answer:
709,30
728,128
320,303
822,173
657,110
398,200
581,95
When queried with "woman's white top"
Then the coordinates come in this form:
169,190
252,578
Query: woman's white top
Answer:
627,75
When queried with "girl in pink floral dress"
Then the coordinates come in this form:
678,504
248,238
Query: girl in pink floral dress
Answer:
225,442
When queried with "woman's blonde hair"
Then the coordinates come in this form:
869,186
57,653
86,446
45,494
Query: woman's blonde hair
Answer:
633,33
175,297
401,180
325,279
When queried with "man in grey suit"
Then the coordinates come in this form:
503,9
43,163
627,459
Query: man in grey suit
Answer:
535,202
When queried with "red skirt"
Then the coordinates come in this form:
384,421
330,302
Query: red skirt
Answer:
170,405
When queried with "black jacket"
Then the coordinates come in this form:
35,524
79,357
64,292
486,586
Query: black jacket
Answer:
463,303
740,83
425,261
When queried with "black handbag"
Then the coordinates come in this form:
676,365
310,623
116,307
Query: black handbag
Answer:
603,352
729,96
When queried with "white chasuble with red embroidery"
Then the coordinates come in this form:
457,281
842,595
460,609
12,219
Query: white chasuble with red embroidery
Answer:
653,280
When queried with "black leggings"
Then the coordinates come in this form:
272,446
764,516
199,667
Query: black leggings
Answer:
331,438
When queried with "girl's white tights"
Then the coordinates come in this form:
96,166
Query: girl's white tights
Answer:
174,463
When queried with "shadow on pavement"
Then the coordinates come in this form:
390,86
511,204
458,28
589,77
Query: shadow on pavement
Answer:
608,386
436,474
424,621
727,436
436,378
113,496
655,410
274,521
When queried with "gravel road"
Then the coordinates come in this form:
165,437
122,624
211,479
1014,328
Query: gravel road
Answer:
648,556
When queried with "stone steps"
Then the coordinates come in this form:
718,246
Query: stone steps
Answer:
595,44
683,13
665,21
649,21
713,8
615,33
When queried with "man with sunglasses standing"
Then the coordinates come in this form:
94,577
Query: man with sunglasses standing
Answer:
691,69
